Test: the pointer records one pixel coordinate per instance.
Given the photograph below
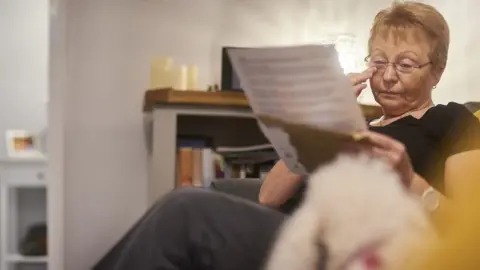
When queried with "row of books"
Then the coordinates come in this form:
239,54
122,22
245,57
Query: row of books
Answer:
198,166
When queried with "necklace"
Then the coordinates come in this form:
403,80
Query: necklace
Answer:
382,121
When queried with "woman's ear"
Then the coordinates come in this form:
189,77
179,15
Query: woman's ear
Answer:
436,75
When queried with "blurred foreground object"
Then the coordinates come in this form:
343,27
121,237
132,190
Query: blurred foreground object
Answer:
459,245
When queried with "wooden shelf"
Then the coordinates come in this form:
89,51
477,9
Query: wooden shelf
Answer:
169,96
155,97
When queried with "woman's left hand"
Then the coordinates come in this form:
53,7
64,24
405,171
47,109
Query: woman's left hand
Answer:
394,152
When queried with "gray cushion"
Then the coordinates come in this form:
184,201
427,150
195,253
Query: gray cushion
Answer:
245,188
250,188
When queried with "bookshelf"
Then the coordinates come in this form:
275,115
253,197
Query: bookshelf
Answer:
223,116
23,188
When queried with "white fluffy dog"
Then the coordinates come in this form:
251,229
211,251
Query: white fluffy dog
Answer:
356,216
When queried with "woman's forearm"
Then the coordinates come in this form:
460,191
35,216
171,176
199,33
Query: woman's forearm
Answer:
418,186
279,185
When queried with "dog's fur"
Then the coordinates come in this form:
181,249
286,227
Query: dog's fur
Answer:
351,203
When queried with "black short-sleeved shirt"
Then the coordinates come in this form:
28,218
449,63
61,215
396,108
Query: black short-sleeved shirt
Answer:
444,130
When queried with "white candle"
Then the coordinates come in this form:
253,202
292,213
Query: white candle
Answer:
192,83
182,78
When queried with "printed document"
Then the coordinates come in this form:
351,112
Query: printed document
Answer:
304,102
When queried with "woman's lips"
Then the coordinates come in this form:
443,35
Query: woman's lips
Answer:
388,94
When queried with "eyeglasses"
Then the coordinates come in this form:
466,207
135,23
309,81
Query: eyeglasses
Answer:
402,65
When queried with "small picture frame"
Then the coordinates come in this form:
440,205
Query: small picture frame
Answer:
22,144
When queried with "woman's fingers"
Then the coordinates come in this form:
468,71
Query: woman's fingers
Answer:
357,89
397,162
393,152
356,78
391,157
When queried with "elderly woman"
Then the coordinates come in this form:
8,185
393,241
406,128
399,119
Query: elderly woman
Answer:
429,145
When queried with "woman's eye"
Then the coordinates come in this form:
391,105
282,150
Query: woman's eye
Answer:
379,62
406,65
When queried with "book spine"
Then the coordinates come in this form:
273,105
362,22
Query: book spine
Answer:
196,167
197,164
208,166
184,167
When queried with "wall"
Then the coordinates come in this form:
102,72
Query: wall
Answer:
105,159
23,66
56,134
293,22
108,47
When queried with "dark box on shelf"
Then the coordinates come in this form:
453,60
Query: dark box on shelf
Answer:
229,79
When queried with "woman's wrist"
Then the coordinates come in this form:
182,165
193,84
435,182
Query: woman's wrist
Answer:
428,195
418,185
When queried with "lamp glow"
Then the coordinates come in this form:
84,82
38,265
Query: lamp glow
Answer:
348,53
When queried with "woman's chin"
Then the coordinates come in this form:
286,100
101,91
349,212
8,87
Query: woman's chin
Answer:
391,104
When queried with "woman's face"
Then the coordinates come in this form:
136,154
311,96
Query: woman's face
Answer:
407,86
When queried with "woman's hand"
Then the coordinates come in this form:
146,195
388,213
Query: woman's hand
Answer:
279,185
394,152
359,80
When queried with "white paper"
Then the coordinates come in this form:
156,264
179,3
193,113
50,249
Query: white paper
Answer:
301,84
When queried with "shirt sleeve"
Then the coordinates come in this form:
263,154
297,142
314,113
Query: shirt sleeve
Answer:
464,132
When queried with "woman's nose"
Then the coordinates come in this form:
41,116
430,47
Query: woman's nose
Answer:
390,74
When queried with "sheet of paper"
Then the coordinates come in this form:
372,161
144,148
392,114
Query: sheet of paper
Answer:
302,84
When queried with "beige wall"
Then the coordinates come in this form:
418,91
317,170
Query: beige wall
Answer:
23,66
108,46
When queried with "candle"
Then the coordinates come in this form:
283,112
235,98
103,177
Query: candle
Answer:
192,82
181,78
160,69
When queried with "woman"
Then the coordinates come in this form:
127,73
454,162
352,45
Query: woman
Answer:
427,144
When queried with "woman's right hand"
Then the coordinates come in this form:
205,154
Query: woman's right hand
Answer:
359,80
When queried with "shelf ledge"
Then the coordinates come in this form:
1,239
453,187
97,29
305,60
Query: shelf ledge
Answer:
17,258
21,161
26,183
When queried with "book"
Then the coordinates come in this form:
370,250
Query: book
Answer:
304,103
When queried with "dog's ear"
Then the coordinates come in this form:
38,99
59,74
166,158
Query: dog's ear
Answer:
322,255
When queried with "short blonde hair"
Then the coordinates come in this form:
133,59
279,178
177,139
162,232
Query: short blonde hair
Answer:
418,16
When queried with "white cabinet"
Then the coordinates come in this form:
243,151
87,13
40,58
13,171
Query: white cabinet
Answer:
23,204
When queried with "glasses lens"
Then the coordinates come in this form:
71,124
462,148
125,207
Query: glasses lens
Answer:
404,67
379,64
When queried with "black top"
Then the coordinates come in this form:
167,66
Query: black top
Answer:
444,130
